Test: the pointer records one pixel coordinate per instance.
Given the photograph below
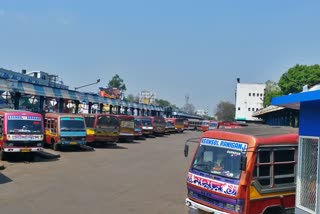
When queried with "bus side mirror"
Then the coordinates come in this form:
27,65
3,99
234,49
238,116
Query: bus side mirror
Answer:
243,162
186,150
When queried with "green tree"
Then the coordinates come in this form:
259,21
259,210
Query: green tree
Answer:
132,98
271,90
298,76
166,103
225,111
117,82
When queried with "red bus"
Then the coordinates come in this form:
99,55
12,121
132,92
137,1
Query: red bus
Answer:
20,131
146,125
205,125
102,128
251,170
159,125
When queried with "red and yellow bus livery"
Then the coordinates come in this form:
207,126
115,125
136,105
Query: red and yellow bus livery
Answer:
102,128
249,171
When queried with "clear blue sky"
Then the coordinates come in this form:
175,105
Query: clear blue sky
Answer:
173,48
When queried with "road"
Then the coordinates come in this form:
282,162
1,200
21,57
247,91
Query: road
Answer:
146,176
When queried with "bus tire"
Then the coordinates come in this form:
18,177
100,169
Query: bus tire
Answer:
274,210
3,155
54,145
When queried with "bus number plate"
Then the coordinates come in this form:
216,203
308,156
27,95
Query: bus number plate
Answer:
25,150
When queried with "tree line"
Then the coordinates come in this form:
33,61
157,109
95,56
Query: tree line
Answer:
291,81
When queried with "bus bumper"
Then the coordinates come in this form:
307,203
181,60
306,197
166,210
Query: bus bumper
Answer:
195,205
32,149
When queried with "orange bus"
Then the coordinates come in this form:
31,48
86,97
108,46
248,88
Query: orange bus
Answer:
102,128
126,127
20,131
62,129
205,125
178,124
251,170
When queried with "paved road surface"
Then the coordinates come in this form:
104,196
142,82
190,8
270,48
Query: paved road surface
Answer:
147,176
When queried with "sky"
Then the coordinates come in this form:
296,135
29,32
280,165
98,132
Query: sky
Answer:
174,48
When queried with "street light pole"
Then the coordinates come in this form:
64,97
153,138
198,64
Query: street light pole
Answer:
76,88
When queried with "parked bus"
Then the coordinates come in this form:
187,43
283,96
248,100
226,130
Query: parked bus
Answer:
159,125
20,131
63,129
205,125
251,170
178,124
137,127
147,128
126,127
170,127
102,128
194,124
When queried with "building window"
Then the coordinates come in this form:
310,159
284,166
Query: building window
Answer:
253,94
252,109
257,109
261,95
248,109
238,108
249,94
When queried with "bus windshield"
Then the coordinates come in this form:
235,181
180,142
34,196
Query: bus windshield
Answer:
146,122
24,127
69,123
218,161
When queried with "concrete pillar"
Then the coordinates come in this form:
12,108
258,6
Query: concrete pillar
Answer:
101,108
41,103
77,103
90,108
60,105
17,97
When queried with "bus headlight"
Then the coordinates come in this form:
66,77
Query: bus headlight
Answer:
230,206
238,208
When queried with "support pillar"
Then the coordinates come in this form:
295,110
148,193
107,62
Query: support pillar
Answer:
89,107
60,105
77,103
17,97
101,108
41,104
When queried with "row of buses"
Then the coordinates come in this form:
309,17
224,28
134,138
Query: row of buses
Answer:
24,131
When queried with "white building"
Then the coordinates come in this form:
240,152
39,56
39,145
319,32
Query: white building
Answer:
202,113
249,99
